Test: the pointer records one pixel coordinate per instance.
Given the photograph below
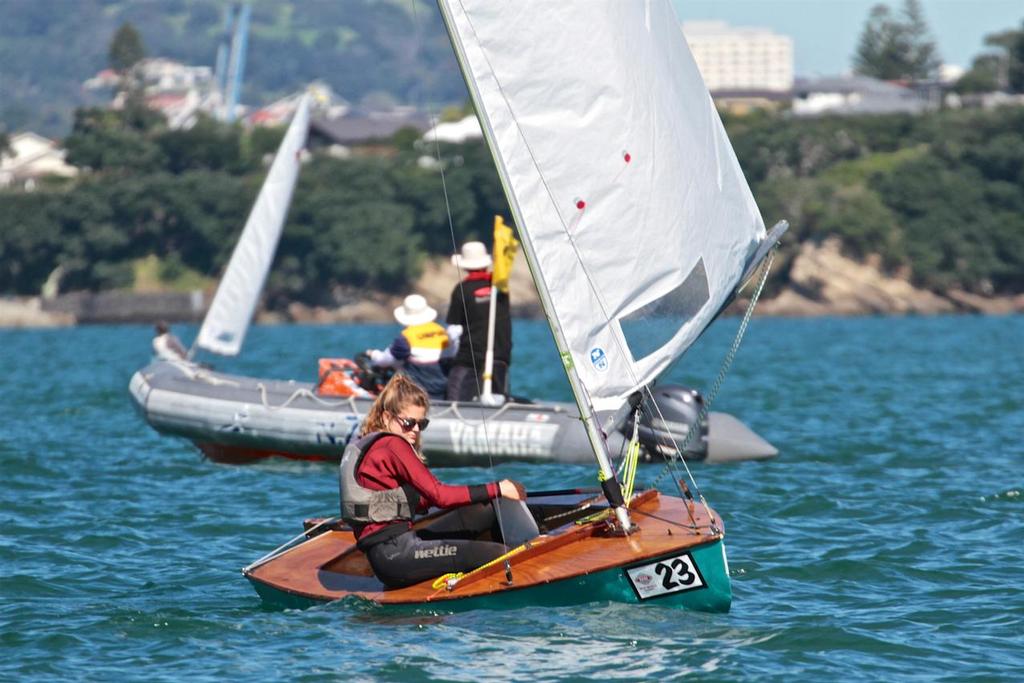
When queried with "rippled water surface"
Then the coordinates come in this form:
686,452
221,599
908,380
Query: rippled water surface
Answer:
885,541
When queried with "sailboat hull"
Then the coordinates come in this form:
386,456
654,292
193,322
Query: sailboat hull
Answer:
607,586
238,419
670,561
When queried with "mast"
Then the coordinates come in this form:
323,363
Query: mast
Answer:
609,483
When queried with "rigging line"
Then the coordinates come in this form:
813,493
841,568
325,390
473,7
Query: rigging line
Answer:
287,544
695,527
726,363
669,460
465,308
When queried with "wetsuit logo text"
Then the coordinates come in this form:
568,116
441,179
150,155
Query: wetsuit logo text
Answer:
436,551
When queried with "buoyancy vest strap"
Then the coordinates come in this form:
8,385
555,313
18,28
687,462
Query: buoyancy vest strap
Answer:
381,535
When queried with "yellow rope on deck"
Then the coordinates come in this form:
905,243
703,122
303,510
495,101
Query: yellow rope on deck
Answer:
449,580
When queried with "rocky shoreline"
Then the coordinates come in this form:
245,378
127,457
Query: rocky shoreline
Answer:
823,282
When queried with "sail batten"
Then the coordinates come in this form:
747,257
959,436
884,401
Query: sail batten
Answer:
227,320
624,183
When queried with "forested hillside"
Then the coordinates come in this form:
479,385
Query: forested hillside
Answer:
178,199
937,199
940,197
390,49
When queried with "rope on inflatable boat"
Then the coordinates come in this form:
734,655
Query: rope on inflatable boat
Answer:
454,410
306,393
351,403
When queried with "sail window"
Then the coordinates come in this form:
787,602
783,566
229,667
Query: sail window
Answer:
649,328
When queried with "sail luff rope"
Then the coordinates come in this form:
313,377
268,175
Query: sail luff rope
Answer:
465,308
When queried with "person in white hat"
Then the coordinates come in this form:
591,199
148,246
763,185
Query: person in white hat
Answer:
418,350
467,317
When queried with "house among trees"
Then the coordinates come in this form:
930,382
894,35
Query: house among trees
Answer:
365,132
178,91
31,157
856,95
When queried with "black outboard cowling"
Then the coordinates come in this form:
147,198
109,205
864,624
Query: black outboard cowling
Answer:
664,429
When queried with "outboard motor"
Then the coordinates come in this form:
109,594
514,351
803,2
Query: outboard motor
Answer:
680,408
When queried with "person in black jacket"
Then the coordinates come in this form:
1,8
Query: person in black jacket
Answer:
468,312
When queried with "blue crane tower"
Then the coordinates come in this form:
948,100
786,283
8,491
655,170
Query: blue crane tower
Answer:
230,67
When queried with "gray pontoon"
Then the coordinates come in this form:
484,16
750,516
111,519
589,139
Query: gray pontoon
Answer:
232,418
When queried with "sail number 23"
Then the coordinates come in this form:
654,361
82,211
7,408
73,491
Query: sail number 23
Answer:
667,575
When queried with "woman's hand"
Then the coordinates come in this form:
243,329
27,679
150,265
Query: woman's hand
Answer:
512,490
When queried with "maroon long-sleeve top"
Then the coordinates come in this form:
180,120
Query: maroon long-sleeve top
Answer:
391,462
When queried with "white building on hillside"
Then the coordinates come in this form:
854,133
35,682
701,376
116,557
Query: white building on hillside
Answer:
31,157
178,91
740,58
458,132
856,95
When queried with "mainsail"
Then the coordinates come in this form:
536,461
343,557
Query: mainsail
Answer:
633,210
228,318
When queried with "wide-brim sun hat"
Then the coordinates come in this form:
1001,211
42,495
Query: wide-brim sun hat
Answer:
415,311
473,256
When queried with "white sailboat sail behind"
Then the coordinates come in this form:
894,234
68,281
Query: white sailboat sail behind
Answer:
631,205
228,318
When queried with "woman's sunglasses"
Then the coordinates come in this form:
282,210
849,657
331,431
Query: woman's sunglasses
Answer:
407,423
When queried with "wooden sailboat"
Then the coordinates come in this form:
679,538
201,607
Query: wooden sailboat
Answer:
674,556
639,229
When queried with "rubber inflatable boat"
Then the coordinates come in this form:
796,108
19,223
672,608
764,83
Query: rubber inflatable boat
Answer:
233,418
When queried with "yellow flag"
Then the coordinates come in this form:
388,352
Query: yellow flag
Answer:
505,247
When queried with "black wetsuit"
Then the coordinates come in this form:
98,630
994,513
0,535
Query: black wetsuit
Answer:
400,556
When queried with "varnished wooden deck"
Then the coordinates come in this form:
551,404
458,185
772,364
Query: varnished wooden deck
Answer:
329,567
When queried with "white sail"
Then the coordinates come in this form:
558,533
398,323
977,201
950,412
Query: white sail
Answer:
632,207
228,318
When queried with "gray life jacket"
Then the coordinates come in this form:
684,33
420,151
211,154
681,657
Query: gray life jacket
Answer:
360,505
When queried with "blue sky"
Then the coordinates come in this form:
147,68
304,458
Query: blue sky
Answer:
825,32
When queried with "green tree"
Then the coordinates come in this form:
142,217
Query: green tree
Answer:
126,49
923,60
1015,61
892,48
1001,68
208,144
30,241
112,140
987,74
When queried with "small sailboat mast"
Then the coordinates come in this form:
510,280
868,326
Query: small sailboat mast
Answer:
227,320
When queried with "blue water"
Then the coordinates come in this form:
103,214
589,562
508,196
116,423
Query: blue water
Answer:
885,541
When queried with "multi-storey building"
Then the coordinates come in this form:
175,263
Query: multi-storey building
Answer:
740,58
